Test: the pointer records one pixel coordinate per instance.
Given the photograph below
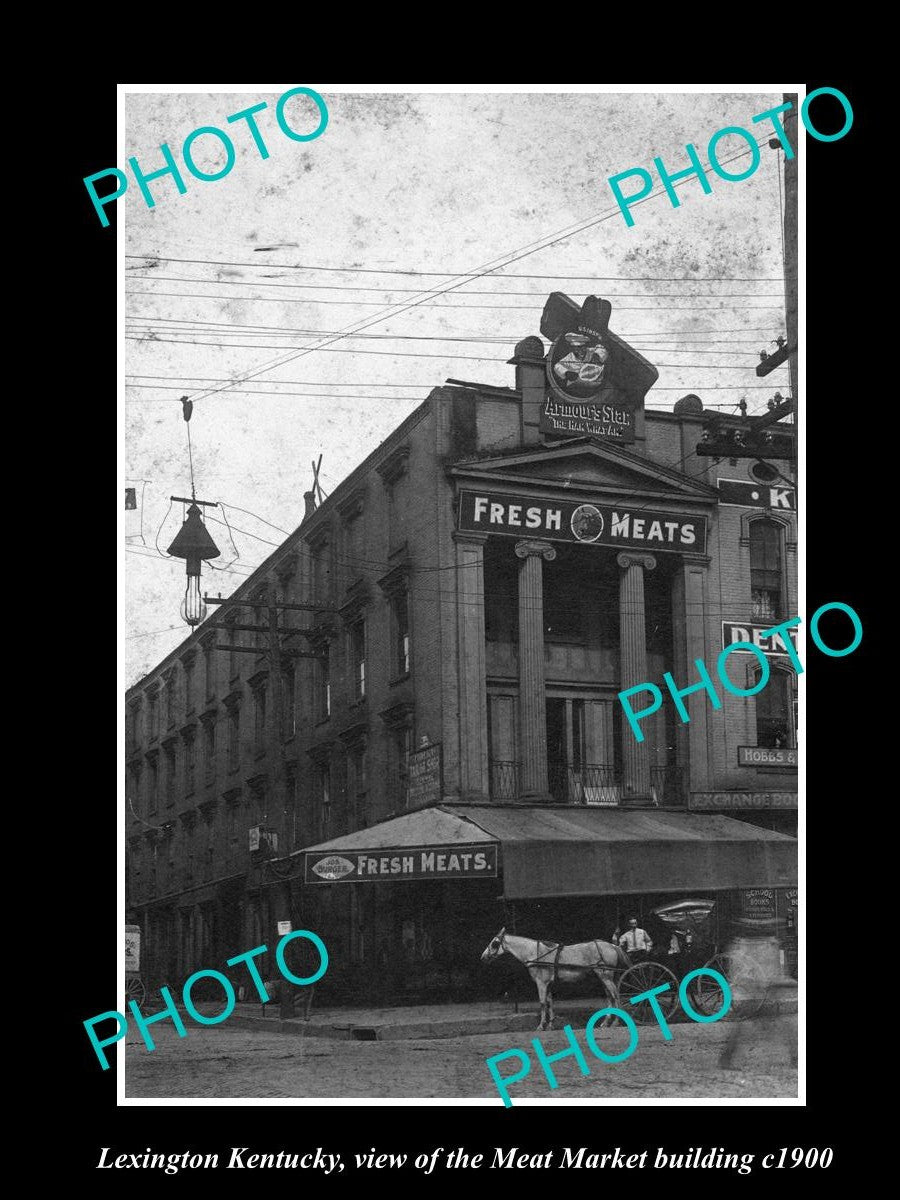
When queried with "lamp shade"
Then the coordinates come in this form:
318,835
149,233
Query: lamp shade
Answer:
192,540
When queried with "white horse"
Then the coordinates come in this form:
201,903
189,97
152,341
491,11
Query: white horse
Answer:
547,962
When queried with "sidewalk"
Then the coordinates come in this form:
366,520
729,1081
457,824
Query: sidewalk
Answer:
443,1020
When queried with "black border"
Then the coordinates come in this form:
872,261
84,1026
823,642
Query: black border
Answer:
840,800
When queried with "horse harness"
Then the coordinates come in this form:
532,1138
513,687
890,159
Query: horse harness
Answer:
556,949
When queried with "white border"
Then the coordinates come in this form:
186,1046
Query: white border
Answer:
390,1102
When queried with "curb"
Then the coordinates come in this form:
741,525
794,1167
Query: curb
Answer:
471,1027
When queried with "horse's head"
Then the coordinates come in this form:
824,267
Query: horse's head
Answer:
495,947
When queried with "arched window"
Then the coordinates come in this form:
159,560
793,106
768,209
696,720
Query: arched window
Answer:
776,708
766,570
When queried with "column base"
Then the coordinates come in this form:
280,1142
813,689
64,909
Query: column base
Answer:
535,798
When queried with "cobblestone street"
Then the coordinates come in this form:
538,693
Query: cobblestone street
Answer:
237,1062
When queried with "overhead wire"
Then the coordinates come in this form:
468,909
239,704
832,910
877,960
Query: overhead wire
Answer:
497,274
543,243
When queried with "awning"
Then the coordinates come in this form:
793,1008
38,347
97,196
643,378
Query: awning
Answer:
562,851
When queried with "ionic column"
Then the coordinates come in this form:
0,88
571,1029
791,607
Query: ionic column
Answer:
532,702
633,670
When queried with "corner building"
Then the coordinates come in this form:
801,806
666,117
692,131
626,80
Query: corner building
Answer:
446,753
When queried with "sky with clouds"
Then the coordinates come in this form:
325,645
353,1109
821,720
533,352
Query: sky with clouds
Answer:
229,278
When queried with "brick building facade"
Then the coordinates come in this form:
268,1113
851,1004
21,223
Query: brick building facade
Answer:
450,607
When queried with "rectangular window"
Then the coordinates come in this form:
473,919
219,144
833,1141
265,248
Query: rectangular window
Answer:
401,633
358,658
234,737
134,788
189,762
209,672
564,618
189,687
292,792
501,593
153,716
170,703
402,746
171,774
233,655
357,785
152,783
323,683
325,799
288,705
775,711
259,720
765,570
134,723
209,750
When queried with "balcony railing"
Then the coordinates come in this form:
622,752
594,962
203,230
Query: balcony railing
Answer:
592,784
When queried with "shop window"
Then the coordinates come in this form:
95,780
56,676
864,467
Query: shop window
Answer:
775,709
766,570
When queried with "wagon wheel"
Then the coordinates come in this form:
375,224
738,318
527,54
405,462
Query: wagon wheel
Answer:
704,993
641,978
135,989
745,979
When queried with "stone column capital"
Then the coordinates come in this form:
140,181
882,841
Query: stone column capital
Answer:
630,558
463,538
535,547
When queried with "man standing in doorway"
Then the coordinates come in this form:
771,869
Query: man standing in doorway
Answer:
635,941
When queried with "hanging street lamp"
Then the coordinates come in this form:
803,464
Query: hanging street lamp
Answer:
193,543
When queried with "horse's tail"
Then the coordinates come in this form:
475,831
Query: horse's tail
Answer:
622,959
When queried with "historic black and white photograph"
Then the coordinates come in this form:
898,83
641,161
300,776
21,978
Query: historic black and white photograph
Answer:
462,718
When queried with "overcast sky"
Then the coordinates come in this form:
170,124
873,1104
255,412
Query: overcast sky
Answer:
413,182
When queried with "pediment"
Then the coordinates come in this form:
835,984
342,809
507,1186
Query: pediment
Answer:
585,465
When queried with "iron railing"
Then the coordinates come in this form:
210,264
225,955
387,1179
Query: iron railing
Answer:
593,783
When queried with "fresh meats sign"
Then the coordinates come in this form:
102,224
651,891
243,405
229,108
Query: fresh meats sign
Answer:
401,862
574,521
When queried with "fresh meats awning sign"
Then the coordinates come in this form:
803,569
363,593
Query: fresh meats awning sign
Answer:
576,521
401,862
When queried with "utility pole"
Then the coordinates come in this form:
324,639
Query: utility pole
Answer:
275,652
790,245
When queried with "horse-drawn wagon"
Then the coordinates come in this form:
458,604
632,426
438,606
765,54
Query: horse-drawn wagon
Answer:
685,930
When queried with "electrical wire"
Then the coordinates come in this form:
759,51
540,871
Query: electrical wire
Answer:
474,274
541,244
353,287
